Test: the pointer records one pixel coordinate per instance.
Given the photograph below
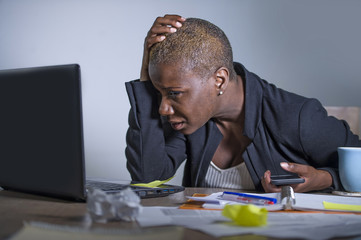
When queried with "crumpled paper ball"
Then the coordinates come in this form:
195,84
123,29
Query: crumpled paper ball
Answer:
103,207
246,215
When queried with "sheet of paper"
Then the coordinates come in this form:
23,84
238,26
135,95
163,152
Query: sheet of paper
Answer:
280,225
317,226
158,216
45,231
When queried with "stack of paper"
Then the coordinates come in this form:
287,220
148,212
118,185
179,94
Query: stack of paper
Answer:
283,224
280,224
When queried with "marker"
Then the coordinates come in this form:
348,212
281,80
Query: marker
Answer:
248,198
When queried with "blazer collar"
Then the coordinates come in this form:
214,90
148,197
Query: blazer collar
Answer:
253,94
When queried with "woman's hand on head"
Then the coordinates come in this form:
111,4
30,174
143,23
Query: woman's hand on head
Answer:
314,179
160,27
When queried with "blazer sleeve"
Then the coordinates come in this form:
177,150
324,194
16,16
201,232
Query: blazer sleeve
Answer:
154,150
321,135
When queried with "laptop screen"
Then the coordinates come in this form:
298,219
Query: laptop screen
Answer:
41,139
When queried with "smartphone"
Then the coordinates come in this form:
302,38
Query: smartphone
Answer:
280,180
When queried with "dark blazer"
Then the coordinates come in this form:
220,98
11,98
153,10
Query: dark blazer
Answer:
282,126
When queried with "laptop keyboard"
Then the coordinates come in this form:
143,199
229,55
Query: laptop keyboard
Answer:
105,186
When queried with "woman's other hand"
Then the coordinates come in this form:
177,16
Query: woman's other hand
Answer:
314,179
160,27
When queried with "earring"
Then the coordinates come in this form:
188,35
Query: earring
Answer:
220,93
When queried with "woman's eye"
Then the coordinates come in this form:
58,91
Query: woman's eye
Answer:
173,93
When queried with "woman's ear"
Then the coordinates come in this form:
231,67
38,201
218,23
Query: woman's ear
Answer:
222,80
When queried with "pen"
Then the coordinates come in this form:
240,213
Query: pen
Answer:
248,198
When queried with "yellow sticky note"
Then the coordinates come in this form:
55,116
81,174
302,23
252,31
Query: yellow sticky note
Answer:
246,215
344,207
153,184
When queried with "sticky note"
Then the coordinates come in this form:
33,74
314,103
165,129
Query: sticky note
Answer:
246,215
153,184
344,207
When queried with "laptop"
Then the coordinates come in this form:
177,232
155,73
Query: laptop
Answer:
41,135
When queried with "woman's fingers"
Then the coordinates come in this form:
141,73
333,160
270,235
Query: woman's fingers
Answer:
161,26
157,33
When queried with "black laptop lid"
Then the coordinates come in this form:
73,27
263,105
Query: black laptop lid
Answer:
41,142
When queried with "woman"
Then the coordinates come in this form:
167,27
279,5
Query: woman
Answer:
232,128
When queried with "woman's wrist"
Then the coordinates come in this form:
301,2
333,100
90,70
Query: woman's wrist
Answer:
325,180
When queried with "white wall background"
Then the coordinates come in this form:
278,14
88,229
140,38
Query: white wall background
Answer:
311,47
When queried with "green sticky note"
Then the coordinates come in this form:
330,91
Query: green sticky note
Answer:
246,215
153,184
344,207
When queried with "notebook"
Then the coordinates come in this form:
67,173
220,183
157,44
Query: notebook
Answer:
287,199
41,134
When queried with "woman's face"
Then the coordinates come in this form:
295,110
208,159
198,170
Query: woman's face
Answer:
187,101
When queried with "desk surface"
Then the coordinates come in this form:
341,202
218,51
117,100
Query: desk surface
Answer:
17,208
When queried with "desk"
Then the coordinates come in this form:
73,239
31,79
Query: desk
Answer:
15,208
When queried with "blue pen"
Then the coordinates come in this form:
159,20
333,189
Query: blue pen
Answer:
248,198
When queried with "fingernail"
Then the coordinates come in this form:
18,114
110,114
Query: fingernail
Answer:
173,30
284,164
178,24
162,38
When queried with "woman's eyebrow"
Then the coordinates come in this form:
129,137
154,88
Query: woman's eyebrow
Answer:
167,88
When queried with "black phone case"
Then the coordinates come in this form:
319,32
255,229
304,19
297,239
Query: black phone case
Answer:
280,180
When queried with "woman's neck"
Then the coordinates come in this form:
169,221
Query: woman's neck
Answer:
231,107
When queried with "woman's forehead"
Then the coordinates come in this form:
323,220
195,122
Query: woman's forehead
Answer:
164,74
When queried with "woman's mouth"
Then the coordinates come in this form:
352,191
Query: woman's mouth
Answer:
177,125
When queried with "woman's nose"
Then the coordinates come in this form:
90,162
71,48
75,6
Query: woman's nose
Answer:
165,108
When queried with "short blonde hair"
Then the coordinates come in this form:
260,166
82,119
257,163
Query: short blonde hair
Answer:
200,47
